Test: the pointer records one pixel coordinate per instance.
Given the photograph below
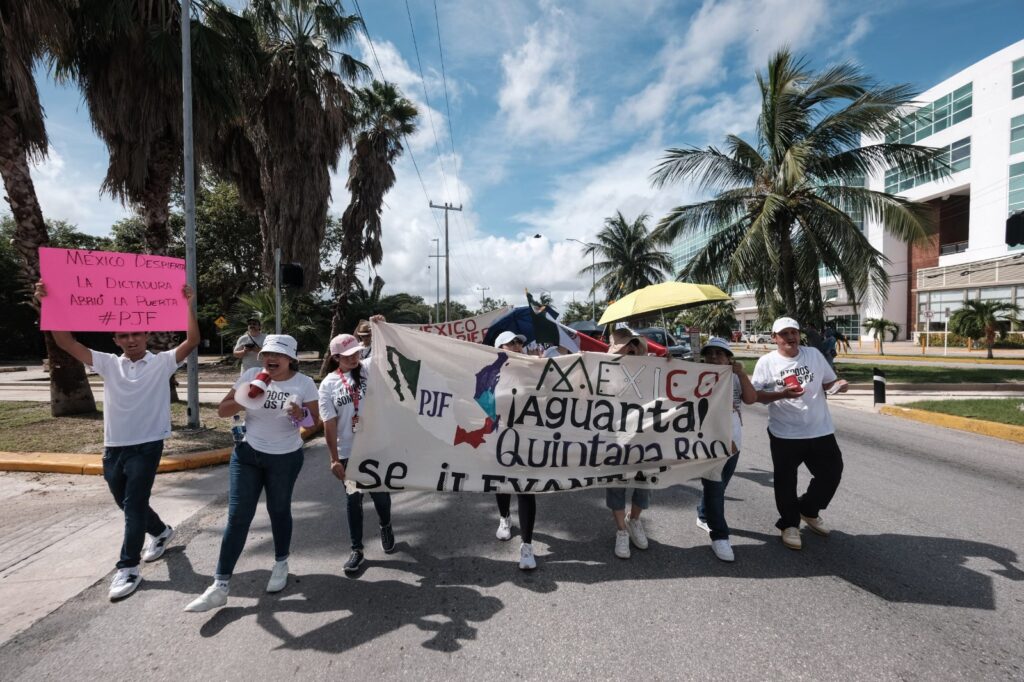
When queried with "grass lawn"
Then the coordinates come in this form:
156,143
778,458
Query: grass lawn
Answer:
916,374
1002,410
28,427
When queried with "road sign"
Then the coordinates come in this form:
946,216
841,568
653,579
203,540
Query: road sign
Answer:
927,314
221,322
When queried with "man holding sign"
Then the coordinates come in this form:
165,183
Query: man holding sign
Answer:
136,420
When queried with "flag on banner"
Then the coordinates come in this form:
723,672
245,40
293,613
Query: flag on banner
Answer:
548,330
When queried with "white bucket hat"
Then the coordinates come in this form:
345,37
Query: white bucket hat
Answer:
281,343
715,342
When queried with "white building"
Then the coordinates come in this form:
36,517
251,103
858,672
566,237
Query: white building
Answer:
977,116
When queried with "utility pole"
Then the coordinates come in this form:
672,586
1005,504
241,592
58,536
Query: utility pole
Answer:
447,277
437,271
482,290
190,201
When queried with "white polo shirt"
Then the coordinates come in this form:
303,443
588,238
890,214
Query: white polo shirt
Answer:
136,397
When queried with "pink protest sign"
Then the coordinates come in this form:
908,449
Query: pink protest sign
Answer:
92,291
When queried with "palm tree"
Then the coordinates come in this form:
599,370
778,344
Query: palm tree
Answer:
982,318
126,58
717,319
878,326
784,202
630,256
383,118
297,119
28,30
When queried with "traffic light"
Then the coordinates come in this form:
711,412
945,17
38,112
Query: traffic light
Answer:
291,275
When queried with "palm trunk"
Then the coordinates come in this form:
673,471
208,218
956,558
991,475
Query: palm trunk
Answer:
788,280
344,280
69,388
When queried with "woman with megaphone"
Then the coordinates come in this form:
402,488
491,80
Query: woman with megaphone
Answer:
277,400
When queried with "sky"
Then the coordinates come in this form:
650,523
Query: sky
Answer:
548,117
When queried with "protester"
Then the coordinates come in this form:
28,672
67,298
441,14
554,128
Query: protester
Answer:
792,381
269,458
247,348
828,347
527,504
631,529
711,510
365,337
341,394
136,420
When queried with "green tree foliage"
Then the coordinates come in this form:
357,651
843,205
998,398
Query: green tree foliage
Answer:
628,257
879,327
577,311
784,201
983,319
490,304
716,319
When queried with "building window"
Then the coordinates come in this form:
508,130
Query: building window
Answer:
1016,188
847,325
831,294
944,112
1017,135
1018,79
957,155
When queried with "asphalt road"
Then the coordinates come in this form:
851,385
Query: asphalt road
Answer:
922,579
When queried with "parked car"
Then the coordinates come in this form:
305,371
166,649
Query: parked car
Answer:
677,348
759,337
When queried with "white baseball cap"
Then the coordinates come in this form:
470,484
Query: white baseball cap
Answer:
508,337
784,323
345,344
281,343
715,342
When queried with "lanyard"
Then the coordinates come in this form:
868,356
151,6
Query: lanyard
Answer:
354,395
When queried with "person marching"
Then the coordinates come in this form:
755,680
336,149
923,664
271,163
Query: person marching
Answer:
341,396
631,529
792,381
268,458
136,420
365,336
247,348
711,510
527,504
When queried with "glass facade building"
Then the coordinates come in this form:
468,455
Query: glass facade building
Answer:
957,156
944,112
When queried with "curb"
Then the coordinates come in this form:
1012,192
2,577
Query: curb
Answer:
949,388
979,426
92,465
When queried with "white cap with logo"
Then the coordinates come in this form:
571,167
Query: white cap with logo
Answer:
784,323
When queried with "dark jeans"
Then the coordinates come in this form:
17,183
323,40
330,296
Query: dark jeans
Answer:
249,473
711,509
381,502
825,462
129,471
527,505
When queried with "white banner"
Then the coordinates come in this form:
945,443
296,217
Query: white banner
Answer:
468,328
446,415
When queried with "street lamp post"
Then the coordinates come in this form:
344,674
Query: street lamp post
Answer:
593,275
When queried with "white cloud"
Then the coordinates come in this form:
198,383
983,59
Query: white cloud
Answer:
65,192
732,113
539,99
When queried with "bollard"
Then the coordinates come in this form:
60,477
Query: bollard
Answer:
879,386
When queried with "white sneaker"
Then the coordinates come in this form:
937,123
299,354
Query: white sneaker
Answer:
213,598
817,525
504,528
791,537
155,545
635,528
527,562
124,583
703,525
278,576
723,550
622,544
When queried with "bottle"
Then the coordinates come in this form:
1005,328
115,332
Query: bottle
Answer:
237,429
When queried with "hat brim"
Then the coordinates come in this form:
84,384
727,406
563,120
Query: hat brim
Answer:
350,352
280,350
708,347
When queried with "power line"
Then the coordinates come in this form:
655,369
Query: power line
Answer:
447,107
426,98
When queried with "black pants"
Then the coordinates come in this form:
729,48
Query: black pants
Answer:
130,471
354,503
527,512
825,462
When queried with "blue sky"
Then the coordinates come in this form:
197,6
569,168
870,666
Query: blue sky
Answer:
560,110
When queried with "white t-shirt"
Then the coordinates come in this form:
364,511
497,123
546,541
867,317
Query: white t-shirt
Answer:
250,360
268,427
136,397
336,401
805,416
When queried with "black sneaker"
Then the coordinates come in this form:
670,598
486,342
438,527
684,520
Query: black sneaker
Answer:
387,539
354,563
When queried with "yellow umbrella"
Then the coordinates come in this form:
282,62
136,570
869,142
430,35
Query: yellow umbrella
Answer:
665,297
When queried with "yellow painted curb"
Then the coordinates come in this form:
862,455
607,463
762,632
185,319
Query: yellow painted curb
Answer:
74,463
979,426
965,359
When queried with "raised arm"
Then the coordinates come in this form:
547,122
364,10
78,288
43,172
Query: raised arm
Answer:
748,394
192,337
64,339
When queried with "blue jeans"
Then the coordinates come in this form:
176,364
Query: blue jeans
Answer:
250,472
615,498
354,504
711,509
129,471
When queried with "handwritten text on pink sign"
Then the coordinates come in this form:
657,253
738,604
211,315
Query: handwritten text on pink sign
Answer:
109,291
